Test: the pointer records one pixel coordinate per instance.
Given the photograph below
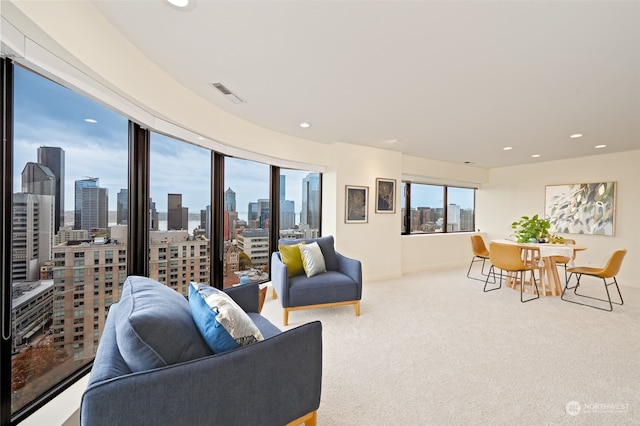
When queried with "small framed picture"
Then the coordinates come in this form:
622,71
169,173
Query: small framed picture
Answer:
356,209
385,195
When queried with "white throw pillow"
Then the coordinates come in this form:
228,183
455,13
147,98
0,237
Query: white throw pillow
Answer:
312,259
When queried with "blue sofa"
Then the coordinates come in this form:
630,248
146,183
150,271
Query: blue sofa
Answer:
340,285
153,367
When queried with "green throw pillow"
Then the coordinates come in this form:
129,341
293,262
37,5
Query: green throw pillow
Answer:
291,257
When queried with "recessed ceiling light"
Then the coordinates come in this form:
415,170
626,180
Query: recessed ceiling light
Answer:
600,146
535,155
182,5
305,125
576,135
179,3
507,148
90,120
391,141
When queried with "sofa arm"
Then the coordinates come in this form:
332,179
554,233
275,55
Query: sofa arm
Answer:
280,278
271,382
246,296
351,268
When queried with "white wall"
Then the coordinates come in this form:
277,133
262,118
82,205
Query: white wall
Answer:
376,243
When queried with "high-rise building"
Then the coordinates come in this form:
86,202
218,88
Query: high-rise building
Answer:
52,157
252,215
310,213
287,214
453,218
153,216
91,205
229,200
32,236
175,259
255,244
283,187
38,179
263,213
185,218
174,212
122,214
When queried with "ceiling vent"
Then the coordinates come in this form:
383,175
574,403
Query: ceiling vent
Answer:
232,97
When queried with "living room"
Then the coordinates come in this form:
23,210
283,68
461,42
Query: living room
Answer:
504,193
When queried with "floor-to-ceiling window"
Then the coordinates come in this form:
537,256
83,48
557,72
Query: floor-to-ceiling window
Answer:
247,219
70,226
299,204
180,212
68,230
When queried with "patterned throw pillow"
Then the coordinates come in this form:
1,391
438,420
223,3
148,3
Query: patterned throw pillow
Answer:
312,259
222,323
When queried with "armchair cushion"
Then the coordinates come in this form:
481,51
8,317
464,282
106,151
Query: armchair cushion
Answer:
312,259
222,323
292,257
149,312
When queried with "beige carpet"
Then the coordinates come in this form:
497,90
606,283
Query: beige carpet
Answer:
433,349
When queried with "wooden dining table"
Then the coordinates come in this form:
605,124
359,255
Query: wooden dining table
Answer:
542,257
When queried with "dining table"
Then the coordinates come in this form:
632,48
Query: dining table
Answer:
542,257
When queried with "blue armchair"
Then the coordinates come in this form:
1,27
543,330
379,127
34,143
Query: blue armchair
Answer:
340,285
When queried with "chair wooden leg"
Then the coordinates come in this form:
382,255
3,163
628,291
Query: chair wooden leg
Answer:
286,316
274,295
357,308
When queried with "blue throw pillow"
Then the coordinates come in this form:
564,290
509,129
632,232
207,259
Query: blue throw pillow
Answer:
222,323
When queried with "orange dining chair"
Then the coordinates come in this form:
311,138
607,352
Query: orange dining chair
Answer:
508,258
563,260
480,253
609,271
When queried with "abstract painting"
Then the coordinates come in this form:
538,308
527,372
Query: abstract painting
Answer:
581,208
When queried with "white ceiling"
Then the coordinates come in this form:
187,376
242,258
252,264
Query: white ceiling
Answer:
453,81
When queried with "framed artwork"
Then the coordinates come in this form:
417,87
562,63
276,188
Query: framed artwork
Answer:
356,204
581,208
385,195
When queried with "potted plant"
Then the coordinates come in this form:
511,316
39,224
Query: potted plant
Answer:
531,229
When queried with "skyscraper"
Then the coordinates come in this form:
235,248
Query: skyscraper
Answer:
287,214
153,216
122,215
310,213
174,211
252,214
38,179
283,189
91,205
32,237
52,157
229,200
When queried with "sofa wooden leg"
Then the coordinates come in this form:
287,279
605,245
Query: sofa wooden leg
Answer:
357,307
286,316
309,419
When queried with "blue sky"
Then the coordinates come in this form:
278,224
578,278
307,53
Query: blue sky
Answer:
47,114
